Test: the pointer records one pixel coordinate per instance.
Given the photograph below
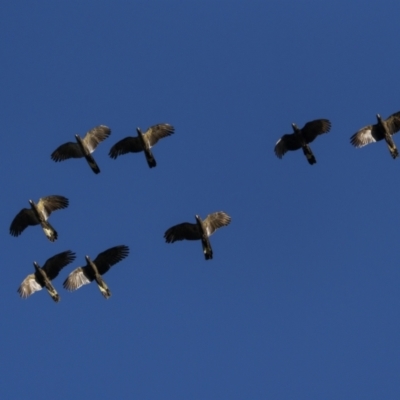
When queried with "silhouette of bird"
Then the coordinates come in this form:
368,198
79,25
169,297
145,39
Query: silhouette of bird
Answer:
94,269
83,147
142,142
301,137
43,276
38,214
201,230
383,129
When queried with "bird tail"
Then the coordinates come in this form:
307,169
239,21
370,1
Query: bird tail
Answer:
53,293
207,249
393,150
309,154
150,158
92,164
49,231
105,291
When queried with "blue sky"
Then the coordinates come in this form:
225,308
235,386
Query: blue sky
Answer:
301,300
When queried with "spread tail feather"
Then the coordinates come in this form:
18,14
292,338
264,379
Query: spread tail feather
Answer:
309,154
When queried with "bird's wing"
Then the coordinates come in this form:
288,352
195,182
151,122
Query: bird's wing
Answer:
109,257
393,123
183,231
22,220
368,134
157,132
77,278
216,220
48,204
314,128
285,143
55,264
96,136
65,151
29,286
128,145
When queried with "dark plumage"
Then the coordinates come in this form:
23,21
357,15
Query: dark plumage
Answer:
43,276
201,230
94,269
383,129
301,137
83,147
38,214
142,142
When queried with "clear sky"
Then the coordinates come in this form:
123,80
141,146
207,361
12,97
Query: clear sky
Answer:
301,300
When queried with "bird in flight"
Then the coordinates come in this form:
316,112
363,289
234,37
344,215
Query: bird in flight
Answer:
83,147
94,269
201,230
300,138
383,129
38,214
142,142
43,276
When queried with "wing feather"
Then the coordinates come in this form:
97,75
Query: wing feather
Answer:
216,220
157,132
314,128
22,220
183,231
286,142
128,145
55,264
48,204
29,286
368,134
393,123
96,136
77,278
65,151
105,260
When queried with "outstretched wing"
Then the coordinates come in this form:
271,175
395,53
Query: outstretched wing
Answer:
285,143
157,132
65,151
96,136
314,128
128,145
77,278
368,134
29,286
22,220
393,123
55,264
108,258
216,220
183,231
48,204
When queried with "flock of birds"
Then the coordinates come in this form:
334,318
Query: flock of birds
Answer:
39,213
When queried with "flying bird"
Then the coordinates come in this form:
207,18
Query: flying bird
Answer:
38,214
44,275
142,142
94,269
301,138
83,147
201,230
383,129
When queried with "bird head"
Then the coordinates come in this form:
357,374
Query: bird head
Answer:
139,131
36,265
295,127
379,118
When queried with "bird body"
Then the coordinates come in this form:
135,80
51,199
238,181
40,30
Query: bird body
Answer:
383,129
83,147
300,138
201,230
39,214
142,142
43,276
93,270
